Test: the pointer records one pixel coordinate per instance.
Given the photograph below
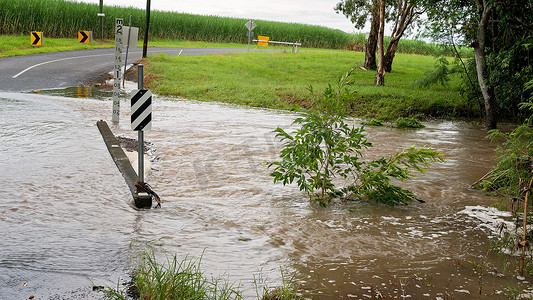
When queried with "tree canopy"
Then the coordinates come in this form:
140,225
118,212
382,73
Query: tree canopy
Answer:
403,14
501,34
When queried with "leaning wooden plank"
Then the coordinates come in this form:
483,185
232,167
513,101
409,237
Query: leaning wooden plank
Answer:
141,200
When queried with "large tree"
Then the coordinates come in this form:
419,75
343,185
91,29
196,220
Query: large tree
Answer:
358,12
501,35
402,12
405,12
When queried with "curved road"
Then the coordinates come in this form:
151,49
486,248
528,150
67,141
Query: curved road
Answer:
75,68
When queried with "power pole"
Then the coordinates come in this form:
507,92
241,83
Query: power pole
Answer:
101,16
145,44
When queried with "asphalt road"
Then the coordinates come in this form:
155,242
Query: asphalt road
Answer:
74,68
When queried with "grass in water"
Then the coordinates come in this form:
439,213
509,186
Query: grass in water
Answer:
184,279
373,122
408,123
289,290
179,280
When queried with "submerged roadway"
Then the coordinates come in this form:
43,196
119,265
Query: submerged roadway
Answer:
77,67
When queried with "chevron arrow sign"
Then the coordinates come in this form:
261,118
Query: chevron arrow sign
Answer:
85,36
141,110
36,38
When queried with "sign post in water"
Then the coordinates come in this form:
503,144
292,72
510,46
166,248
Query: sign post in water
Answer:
141,117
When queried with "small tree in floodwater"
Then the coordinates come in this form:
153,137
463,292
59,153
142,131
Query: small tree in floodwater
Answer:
324,147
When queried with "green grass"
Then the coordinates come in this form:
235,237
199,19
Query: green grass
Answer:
62,19
179,280
288,290
278,80
13,45
408,123
20,45
184,279
200,44
281,80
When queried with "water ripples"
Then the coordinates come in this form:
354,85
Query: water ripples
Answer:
66,208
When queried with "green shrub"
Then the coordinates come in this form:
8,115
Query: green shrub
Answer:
324,147
373,122
408,123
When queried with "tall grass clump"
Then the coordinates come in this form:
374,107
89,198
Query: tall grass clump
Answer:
61,18
175,279
288,290
179,280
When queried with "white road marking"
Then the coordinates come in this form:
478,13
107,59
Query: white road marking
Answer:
61,59
67,58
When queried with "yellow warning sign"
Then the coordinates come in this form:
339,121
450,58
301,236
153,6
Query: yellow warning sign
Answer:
36,38
84,36
83,92
262,41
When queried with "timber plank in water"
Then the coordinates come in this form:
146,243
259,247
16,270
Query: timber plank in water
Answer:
142,200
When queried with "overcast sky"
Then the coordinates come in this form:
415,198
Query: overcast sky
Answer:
314,12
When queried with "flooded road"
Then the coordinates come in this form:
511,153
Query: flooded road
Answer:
68,224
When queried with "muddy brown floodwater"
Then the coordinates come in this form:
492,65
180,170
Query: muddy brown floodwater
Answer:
67,222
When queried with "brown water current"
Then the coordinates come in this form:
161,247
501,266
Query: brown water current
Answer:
67,222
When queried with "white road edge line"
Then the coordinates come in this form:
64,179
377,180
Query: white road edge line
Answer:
61,59
52,61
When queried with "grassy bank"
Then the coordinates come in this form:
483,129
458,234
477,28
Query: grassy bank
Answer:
20,45
62,19
281,80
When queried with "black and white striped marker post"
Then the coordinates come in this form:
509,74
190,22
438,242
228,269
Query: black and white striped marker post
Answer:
141,110
141,118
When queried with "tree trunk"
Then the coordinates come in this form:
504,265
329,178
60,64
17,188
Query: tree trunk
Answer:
372,42
379,79
389,55
405,16
380,76
487,90
524,242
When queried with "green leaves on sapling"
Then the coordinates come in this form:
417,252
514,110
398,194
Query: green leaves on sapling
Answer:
325,148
